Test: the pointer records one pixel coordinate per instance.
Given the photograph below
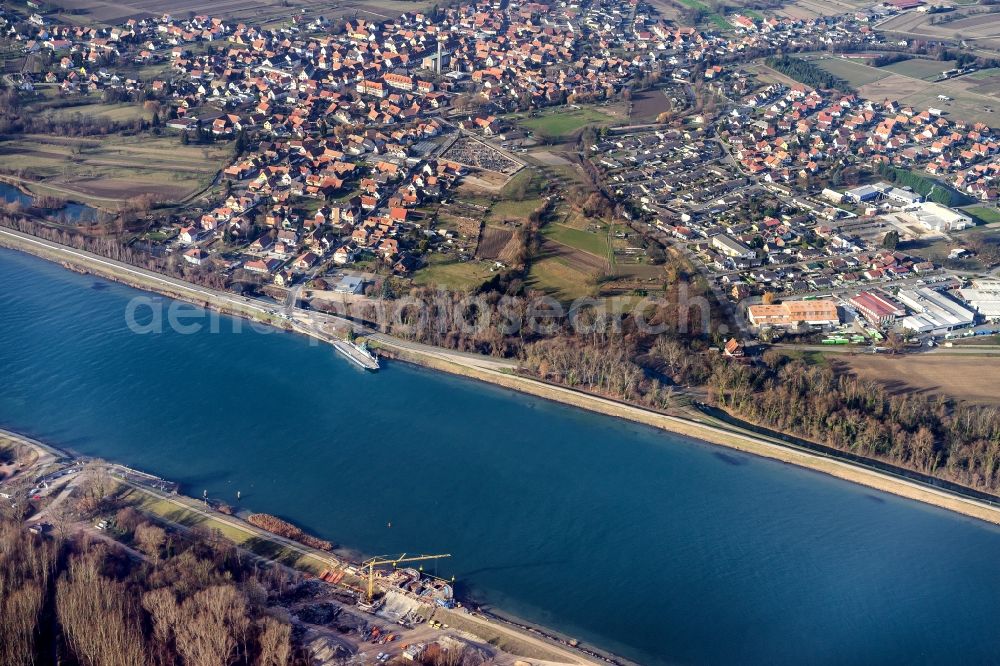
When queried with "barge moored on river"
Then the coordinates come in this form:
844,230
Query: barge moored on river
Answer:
359,354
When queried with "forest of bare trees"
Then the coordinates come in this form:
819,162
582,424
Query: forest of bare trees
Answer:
81,602
931,435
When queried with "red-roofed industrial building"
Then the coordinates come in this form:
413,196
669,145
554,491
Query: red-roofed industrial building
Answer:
877,308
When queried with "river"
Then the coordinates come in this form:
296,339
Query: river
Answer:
656,547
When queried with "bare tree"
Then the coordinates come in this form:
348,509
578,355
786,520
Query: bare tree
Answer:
99,615
275,643
164,610
150,540
213,626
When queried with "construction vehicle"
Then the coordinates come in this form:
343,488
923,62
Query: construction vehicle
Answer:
394,561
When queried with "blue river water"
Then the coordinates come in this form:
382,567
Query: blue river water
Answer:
662,549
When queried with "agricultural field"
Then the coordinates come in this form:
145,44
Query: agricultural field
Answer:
513,211
988,73
560,123
767,75
267,12
103,170
965,104
113,112
649,104
920,68
667,9
937,374
985,82
911,82
594,242
495,243
564,269
970,24
810,9
854,71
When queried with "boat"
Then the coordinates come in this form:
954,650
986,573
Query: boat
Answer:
359,354
365,351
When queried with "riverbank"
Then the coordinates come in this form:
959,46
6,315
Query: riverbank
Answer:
511,635
720,435
694,426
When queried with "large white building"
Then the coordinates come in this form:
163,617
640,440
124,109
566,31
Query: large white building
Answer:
933,311
940,218
732,247
984,296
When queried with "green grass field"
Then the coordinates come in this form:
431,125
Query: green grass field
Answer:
595,243
984,214
562,122
513,210
525,184
856,73
554,276
451,274
920,68
260,546
984,73
115,112
714,17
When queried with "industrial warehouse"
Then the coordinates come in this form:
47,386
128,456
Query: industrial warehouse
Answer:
984,296
934,312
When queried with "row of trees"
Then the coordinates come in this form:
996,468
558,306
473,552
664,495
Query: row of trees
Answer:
111,247
930,435
807,73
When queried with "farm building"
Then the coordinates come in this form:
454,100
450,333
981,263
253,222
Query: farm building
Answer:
793,313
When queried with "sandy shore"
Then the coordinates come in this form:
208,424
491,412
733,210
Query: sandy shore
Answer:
482,370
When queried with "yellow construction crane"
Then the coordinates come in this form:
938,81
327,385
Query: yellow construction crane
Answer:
394,561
